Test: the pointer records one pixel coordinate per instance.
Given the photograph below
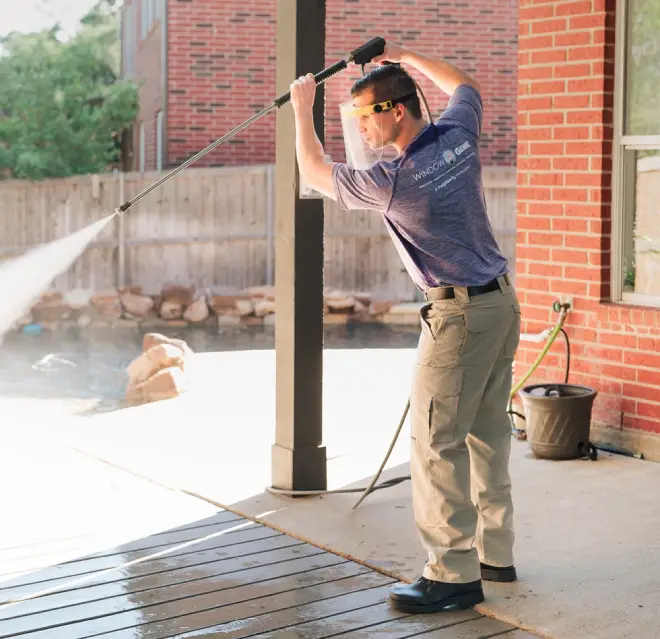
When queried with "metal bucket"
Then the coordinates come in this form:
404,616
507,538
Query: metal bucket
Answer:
558,419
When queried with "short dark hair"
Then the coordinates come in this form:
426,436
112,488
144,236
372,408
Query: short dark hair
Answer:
390,82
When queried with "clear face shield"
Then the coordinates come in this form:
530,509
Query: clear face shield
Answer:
364,138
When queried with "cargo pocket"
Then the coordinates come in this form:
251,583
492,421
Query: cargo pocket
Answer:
443,407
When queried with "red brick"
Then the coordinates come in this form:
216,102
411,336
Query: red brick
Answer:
582,241
548,88
546,179
529,193
587,84
571,101
549,26
592,21
549,56
545,239
564,256
573,38
640,392
582,273
576,7
571,133
546,270
534,164
546,209
590,116
546,118
584,148
646,359
648,377
570,287
546,148
570,224
535,104
533,223
569,195
536,11
529,43
570,164
581,70
584,179
535,73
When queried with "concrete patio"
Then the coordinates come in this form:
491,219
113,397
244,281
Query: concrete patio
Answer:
586,531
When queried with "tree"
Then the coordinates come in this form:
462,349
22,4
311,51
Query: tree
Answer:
63,107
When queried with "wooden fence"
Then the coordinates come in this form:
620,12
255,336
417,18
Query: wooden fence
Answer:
209,227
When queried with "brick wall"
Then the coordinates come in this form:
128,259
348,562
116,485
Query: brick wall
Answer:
566,83
221,61
222,67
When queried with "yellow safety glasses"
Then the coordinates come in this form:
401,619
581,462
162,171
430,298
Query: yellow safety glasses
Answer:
379,107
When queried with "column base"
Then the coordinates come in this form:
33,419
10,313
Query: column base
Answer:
299,469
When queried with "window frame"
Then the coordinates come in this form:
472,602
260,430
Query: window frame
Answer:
160,122
623,173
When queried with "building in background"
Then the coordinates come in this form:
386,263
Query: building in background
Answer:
206,66
588,223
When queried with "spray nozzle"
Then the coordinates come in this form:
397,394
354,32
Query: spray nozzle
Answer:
368,51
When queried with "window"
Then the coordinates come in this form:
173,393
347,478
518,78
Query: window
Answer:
141,149
636,203
159,141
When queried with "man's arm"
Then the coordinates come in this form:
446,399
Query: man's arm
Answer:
314,170
445,75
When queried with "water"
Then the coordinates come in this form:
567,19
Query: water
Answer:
24,279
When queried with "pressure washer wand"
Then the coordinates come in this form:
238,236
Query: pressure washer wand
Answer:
361,56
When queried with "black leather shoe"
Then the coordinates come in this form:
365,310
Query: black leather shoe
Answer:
495,573
433,596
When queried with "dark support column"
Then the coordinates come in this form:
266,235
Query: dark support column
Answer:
298,458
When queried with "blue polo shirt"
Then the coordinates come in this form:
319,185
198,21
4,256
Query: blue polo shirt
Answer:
432,200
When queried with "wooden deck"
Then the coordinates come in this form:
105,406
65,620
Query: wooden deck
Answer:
223,576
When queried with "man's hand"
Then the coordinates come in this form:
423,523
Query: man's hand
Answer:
392,53
303,91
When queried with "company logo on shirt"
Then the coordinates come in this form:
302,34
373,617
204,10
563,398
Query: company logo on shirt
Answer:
448,159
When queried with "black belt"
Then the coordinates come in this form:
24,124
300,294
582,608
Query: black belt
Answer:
447,292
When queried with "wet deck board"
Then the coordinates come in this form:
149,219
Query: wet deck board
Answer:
223,576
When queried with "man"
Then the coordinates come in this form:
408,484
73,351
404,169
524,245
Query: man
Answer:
432,202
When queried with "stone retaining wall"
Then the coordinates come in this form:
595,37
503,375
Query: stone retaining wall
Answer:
178,305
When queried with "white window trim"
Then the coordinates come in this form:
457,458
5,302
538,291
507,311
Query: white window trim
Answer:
159,140
621,194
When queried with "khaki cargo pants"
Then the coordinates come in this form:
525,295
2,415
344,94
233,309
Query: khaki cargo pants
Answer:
461,433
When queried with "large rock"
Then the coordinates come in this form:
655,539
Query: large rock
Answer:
137,307
153,339
78,299
264,306
154,359
261,292
106,305
50,308
178,293
340,303
197,312
232,303
170,310
165,384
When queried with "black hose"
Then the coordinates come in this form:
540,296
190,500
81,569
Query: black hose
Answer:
568,355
